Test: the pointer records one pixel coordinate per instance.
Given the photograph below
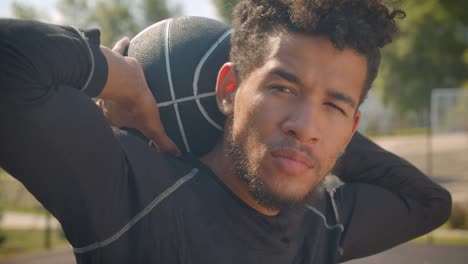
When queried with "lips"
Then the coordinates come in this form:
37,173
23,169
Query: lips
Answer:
292,161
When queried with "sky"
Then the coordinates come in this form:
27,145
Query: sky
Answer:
190,7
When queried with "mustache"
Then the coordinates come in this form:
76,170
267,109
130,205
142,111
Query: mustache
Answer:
289,143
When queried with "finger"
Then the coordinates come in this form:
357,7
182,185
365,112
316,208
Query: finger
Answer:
100,104
121,45
168,146
165,144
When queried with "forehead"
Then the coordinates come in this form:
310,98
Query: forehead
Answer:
315,61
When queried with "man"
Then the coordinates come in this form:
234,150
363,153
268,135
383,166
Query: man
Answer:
299,71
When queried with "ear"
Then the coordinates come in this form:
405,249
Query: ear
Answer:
357,118
226,87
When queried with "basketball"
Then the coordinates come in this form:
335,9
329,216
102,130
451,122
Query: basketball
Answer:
181,58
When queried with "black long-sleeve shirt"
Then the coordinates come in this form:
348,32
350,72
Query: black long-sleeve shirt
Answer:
120,201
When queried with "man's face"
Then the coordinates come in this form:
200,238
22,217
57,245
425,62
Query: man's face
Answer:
292,117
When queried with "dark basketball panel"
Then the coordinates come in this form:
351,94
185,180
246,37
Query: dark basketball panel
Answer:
148,48
202,137
169,120
211,108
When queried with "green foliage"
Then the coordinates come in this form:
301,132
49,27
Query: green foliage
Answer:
15,197
75,12
29,241
442,240
21,10
459,217
428,54
156,10
2,234
115,18
457,8
225,8
2,238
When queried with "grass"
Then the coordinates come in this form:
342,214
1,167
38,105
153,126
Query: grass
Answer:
29,241
14,196
440,239
435,240
36,210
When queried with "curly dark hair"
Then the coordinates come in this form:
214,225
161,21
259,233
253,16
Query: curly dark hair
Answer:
363,25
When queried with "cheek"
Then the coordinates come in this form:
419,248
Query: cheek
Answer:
337,129
254,127
257,114
336,132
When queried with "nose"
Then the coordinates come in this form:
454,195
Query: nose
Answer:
303,123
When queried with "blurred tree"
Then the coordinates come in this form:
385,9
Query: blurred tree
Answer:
115,18
21,10
156,10
75,12
430,52
457,8
3,237
225,8
2,233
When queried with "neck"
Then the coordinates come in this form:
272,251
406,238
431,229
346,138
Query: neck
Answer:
220,163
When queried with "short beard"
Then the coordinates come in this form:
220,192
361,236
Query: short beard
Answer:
256,186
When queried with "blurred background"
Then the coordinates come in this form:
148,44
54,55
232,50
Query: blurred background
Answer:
418,108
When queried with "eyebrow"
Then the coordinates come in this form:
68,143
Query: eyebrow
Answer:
342,97
286,75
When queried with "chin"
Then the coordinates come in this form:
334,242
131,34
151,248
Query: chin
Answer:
281,193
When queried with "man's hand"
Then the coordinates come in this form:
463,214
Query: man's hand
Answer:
127,100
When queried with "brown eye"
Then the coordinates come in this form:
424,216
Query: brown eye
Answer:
281,89
335,107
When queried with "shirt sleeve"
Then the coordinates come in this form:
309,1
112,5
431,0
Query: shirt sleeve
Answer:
385,200
53,138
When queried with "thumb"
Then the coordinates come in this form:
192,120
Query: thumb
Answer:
161,140
121,45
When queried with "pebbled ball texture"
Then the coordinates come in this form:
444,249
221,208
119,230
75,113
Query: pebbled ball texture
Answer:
181,58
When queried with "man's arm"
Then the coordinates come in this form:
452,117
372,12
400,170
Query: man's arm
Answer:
53,138
385,200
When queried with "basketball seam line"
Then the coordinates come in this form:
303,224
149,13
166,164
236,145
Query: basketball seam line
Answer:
139,216
171,86
184,99
197,76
